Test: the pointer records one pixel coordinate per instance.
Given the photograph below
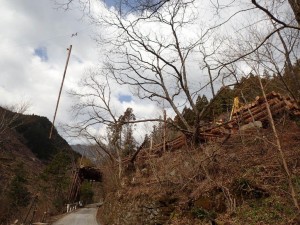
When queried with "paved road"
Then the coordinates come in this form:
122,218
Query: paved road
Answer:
84,216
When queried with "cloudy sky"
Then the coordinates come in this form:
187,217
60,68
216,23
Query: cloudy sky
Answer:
34,37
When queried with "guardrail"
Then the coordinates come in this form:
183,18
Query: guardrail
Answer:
73,206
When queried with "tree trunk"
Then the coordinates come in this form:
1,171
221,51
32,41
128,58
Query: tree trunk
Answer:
279,148
295,5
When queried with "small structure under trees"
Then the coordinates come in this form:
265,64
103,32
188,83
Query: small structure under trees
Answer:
81,174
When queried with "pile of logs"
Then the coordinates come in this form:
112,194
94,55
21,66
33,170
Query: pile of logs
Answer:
248,113
170,145
256,110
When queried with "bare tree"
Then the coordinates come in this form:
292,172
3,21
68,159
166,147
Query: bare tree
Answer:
270,10
97,118
156,53
10,118
276,56
295,5
276,15
92,110
160,64
151,47
273,56
280,150
257,70
156,66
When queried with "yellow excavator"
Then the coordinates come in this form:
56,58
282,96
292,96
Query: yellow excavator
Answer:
235,106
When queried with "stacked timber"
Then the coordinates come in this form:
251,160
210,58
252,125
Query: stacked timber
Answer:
257,111
254,111
170,145
248,113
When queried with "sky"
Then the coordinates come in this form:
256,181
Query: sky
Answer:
34,37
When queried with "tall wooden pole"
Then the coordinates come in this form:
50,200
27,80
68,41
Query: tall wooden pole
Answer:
61,86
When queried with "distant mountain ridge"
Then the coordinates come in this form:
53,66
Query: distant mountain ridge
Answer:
88,151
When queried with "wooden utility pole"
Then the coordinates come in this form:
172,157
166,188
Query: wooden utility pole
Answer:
61,86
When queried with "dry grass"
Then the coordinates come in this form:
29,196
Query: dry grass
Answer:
245,173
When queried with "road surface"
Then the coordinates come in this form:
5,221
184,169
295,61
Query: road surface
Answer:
84,216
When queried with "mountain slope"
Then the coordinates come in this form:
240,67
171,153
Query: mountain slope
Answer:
30,166
34,131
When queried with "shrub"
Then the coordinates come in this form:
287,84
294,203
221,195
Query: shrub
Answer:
86,193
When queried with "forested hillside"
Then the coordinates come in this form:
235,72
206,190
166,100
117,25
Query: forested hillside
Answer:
35,171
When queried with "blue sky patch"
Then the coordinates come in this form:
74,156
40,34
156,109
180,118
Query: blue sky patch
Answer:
125,98
77,59
42,53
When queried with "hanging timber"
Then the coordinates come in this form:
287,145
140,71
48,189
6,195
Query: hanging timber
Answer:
61,86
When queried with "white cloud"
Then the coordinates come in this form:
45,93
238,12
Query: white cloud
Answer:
33,41
34,37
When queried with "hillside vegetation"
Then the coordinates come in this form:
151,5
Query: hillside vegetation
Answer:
195,62
34,169
236,179
172,114
241,181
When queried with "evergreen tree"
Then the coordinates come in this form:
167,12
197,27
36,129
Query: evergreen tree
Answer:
18,193
129,143
189,116
56,179
157,132
201,104
292,79
222,103
86,193
120,134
